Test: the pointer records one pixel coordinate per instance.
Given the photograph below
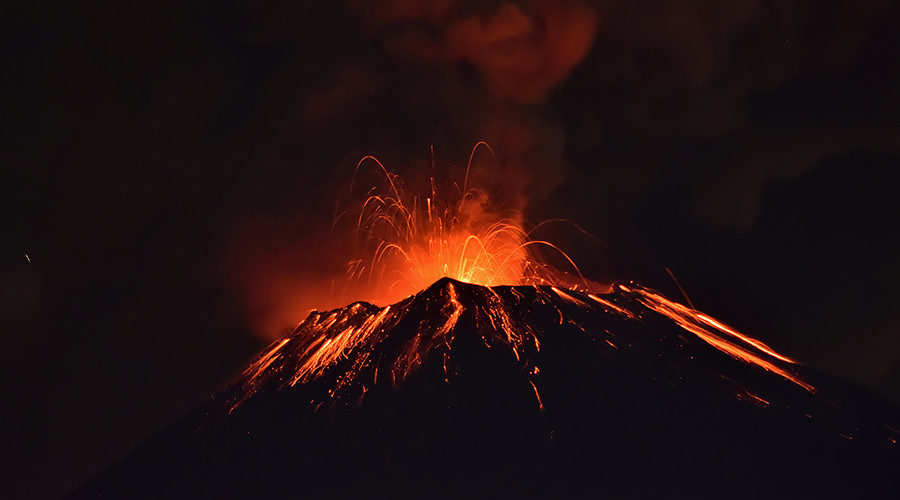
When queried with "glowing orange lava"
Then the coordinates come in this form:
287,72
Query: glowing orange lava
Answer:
408,240
353,347
752,351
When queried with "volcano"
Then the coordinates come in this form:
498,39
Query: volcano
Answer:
465,390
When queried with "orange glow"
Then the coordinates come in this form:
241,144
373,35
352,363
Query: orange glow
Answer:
755,343
389,238
409,240
690,320
756,398
350,339
611,306
406,241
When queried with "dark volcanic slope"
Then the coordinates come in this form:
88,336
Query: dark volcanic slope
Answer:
464,390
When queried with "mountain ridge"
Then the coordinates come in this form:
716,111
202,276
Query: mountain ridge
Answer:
533,391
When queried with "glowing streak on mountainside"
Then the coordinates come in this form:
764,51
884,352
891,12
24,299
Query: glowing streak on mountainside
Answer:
349,348
406,242
755,343
689,319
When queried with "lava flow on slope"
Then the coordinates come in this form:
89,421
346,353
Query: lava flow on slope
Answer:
473,369
465,390
346,349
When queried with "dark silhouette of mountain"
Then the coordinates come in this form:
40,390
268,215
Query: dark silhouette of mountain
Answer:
530,391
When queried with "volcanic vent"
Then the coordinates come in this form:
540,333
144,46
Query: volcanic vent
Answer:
466,390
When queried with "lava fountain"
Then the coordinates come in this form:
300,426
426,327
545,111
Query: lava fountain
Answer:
465,366
450,254
406,240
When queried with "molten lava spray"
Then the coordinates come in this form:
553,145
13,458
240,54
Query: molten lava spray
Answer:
407,241
389,240
445,253
413,250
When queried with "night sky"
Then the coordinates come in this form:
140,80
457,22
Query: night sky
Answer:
156,155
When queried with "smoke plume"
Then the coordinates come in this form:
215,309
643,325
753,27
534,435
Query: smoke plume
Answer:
498,62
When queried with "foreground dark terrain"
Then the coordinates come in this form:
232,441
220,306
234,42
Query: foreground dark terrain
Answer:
467,391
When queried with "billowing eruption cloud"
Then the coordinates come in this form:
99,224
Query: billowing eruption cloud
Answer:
519,51
390,239
497,62
650,97
143,142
